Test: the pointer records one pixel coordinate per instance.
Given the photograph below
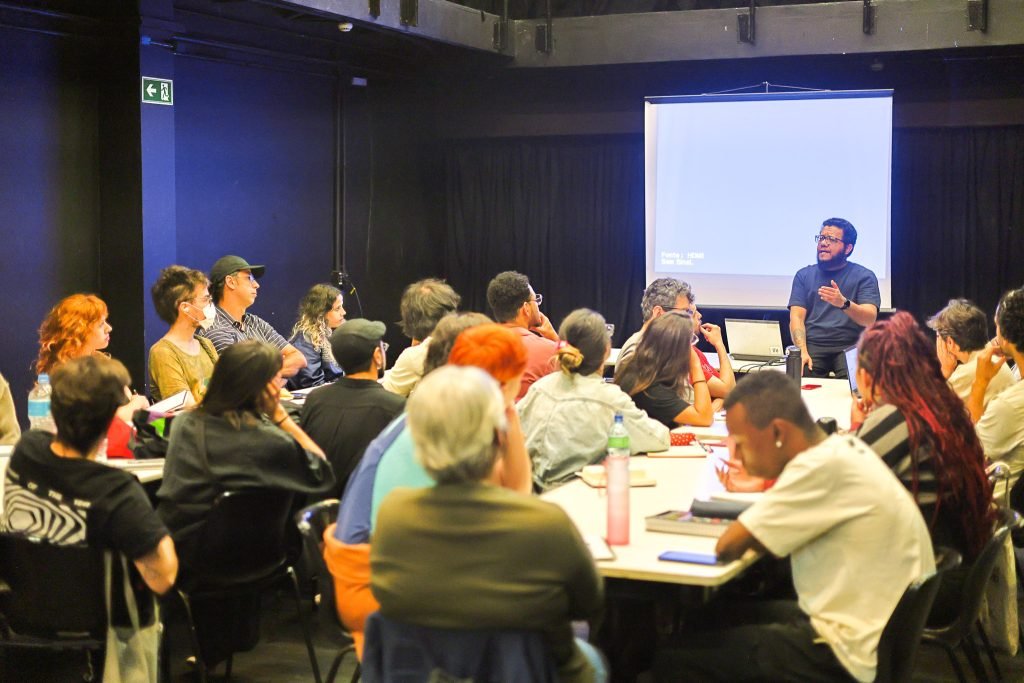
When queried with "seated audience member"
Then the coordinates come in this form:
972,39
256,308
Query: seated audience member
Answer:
320,313
423,305
567,415
234,287
55,490
961,332
10,430
855,538
77,327
663,368
239,437
346,543
182,361
517,306
1000,425
920,429
346,416
469,554
668,294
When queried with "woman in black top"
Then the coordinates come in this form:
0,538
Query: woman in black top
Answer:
663,367
239,437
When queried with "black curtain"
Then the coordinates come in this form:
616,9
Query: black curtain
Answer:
569,212
957,216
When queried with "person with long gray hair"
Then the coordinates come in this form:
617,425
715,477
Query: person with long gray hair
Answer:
469,554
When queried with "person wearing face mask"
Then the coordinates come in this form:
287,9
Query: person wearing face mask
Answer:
181,360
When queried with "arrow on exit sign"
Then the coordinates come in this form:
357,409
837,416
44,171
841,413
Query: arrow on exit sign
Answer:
157,90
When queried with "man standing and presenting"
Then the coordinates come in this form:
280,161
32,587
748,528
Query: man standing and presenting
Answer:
516,305
831,302
233,284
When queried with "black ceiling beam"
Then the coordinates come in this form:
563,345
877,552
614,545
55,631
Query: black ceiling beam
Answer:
789,30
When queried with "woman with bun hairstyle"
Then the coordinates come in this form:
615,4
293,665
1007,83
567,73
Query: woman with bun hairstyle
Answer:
566,415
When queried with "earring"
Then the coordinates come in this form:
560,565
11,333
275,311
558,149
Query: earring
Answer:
778,443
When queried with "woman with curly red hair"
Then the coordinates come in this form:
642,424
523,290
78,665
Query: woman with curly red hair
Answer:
921,429
77,326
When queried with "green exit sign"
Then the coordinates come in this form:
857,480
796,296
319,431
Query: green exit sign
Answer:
157,90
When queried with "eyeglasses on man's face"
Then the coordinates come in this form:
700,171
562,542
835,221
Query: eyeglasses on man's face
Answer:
384,347
202,300
538,298
828,239
242,276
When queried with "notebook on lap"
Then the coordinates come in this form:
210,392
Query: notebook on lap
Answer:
755,340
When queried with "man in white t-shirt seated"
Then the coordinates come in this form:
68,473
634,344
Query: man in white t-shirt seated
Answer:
1000,423
855,536
961,332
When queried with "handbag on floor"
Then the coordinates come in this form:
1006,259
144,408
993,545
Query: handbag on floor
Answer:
131,650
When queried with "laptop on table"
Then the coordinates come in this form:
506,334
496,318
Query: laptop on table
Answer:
754,340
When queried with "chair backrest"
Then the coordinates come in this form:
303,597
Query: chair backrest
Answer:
902,634
974,585
396,652
311,522
243,538
55,591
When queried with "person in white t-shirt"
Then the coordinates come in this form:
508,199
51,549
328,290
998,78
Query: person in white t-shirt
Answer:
854,534
1000,424
961,332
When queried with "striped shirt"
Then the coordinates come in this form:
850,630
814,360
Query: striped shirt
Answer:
226,331
886,431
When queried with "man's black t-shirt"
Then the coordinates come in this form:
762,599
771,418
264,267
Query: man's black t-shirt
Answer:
662,403
70,501
345,417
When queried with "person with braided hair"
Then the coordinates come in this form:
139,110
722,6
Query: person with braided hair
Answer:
917,424
566,415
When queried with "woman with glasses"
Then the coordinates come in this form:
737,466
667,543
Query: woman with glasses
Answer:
321,311
662,370
181,361
566,415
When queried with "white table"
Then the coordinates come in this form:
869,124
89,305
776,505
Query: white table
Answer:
145,471
679,481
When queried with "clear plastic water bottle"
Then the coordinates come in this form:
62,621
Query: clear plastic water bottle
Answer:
39,405
617,473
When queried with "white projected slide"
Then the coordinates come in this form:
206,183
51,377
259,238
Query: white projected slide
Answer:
738,185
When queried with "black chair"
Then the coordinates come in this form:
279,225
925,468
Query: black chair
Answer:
52,597
397,652
959,632
902,634
312,522
241,549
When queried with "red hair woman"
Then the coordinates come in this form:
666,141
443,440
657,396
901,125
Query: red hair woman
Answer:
76,327
912,418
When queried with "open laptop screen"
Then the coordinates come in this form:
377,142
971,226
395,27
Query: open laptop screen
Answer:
754,339
851,369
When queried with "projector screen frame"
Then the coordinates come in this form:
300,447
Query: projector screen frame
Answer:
720,294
